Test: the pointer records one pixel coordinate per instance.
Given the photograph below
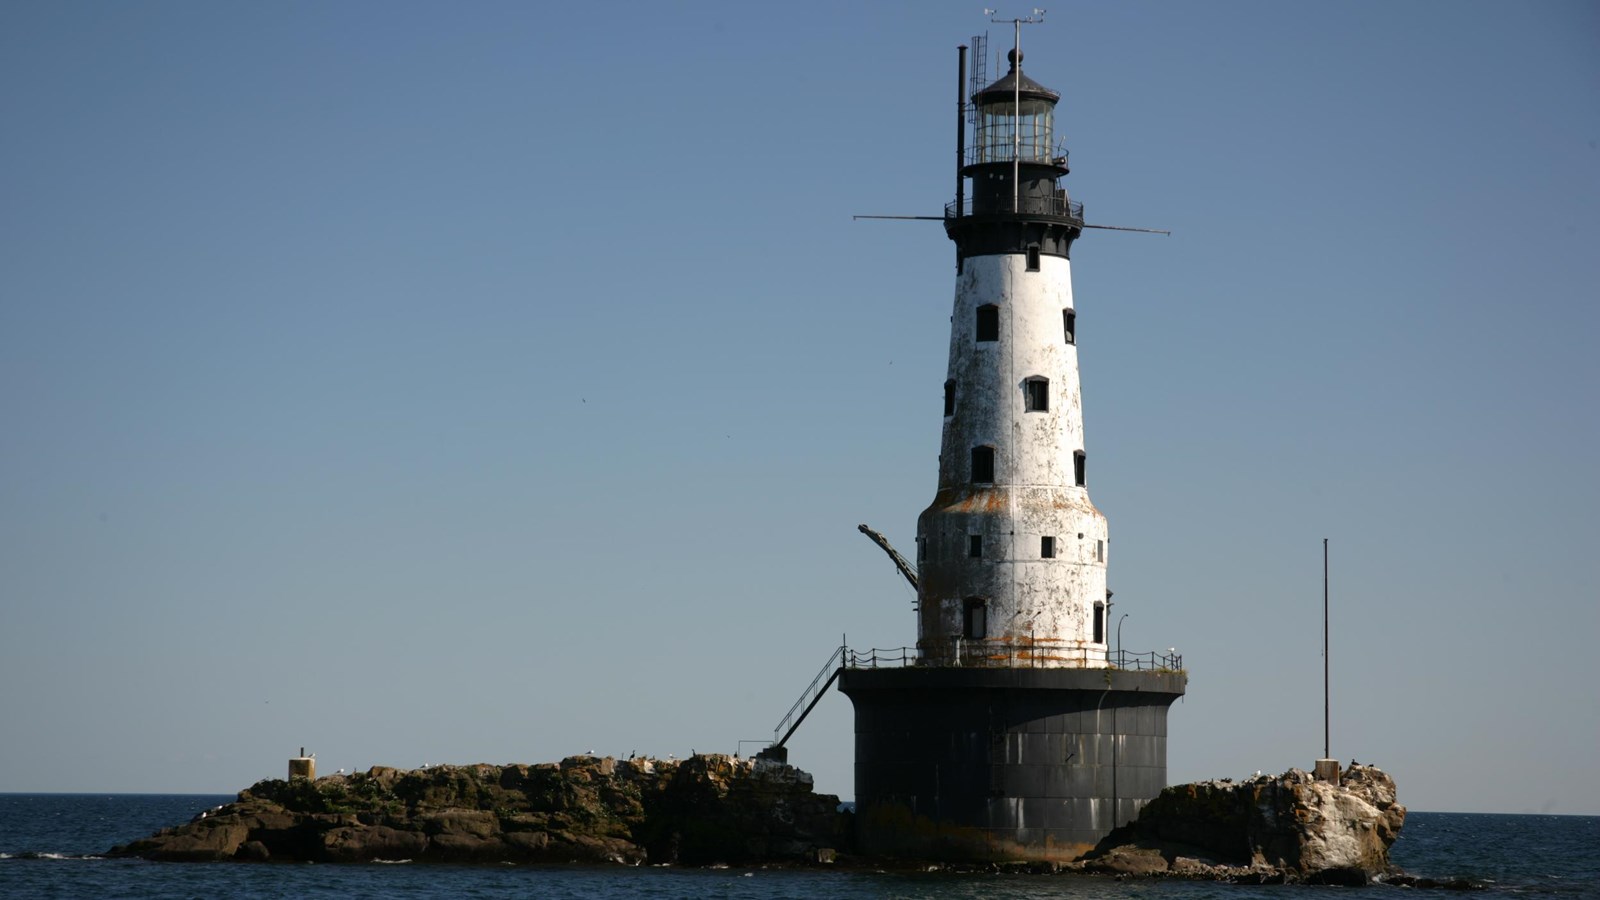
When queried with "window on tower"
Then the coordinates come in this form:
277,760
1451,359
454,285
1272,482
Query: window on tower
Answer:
1033,257
975,619
1036,395
1079,463
975,546
949,398
988,326
1047,548
1069,324
1099,623
983,465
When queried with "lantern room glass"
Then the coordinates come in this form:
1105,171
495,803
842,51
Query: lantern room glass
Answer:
997,129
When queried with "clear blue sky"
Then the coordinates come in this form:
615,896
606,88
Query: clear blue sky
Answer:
493,382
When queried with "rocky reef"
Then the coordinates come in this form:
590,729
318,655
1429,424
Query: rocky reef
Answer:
1285,828
713,809
703,810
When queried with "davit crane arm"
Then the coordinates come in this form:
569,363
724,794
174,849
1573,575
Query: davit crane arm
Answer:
899,561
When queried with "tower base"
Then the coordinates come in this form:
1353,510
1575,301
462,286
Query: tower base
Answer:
1004,764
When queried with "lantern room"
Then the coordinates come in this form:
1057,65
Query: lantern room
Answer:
1015,119
1013,161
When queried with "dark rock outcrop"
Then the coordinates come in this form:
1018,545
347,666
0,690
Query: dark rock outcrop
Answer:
1289,828
703,810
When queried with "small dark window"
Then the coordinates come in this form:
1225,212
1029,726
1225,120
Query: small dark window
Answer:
975,546
1036,395
989,323
1099,551
949,398
1069,323
983,465
922,549
975,620
1099,623
1033,258
1079,462
1047,548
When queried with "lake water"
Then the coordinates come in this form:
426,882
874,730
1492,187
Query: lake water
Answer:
49,846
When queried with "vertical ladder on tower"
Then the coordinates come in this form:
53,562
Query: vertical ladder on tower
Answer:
980,72
978,80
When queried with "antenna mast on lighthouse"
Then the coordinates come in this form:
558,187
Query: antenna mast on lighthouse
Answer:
1016,96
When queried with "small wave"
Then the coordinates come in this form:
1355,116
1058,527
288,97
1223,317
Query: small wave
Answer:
391,862
35,854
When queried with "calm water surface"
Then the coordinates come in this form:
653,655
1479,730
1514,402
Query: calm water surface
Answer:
49,845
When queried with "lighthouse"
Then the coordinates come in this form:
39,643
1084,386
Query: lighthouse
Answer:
1016,731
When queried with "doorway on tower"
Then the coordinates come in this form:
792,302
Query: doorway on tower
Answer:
975,619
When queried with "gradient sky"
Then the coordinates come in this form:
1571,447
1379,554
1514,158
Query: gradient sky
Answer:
492,382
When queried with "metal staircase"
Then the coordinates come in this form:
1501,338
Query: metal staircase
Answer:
807,702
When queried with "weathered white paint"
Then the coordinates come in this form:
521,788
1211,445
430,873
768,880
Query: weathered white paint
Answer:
1040,611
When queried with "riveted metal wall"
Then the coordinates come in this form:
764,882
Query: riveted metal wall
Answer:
1004,764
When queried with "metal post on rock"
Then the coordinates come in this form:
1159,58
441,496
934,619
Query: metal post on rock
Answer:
1325,747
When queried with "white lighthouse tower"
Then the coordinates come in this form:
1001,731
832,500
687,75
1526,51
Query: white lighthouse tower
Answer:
1013,733
1012,553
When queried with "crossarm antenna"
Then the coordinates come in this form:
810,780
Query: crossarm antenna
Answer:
942,218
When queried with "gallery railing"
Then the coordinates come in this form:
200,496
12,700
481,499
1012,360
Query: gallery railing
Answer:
1057,205
1010,655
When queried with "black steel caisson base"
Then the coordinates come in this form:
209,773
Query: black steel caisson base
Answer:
999,764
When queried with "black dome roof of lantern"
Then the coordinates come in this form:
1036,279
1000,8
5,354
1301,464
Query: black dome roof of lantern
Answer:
1015,82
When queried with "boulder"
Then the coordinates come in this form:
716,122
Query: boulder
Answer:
200,841
366,843
1289,827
